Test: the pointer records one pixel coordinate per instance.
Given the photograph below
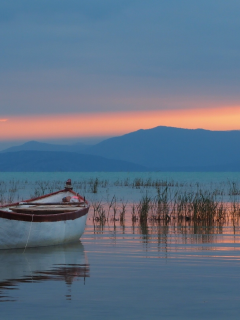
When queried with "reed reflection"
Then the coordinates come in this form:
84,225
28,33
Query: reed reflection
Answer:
66,263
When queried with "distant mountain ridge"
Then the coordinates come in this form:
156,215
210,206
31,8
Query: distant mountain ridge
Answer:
42,146
58,161
168,148
157,149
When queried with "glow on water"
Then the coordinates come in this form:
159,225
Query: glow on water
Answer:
126,272
175,270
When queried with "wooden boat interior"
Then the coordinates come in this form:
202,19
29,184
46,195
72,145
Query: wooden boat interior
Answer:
50,204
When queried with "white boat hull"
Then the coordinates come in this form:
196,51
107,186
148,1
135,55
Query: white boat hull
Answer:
43,221
21,234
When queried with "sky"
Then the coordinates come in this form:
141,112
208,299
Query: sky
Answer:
91,69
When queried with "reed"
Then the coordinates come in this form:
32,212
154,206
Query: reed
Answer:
163,200
94,185
143,209
111,204
12,190
139,182
99,213
43,186
134,213
3,190
123,212
115,208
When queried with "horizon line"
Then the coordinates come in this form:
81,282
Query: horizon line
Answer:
89,125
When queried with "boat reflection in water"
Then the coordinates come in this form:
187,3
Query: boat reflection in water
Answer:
57,263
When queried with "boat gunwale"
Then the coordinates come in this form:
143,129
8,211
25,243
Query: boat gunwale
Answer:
31,217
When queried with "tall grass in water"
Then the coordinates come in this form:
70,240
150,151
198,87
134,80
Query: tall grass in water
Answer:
198,206
99,213
134,213
205,207
12,190
143,208
111,204
189,206
8,191
162,202
94,185
172,200
3,190
234,193
123,212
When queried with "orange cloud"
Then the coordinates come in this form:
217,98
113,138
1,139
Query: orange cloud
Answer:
3,120
103,124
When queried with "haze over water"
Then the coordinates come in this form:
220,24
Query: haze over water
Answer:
124,270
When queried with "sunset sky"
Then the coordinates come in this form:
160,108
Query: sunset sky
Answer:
88,69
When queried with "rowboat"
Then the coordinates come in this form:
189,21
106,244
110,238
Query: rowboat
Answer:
51,219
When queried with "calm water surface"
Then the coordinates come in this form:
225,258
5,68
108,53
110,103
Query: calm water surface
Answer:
127,272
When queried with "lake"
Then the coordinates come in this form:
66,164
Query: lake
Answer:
125,270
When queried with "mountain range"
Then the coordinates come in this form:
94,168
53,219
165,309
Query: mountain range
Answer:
156,149
59,161
41,146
